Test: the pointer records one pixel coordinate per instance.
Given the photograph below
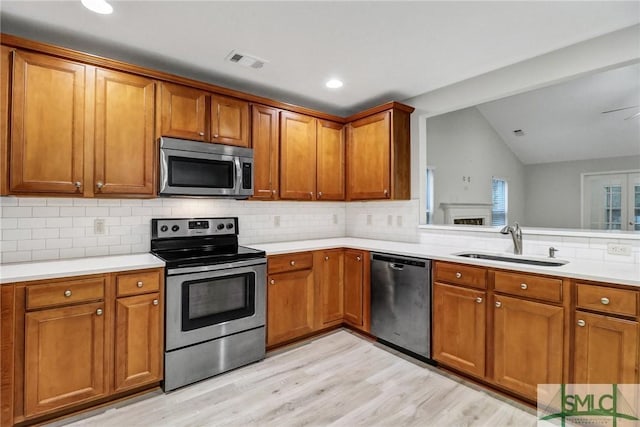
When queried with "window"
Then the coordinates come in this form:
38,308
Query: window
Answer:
611,200
429,195
499,204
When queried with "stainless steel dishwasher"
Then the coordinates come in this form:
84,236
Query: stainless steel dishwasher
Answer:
401,302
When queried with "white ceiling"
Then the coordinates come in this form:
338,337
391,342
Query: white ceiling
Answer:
382,50
565,122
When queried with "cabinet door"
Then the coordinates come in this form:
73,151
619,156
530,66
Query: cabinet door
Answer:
124,134
290,311
330,161
183,112
297,156
64,357
354,292
369,157
459,328
606,350
47,125
528,344
5,88
138,343
229,121
331,286
265,143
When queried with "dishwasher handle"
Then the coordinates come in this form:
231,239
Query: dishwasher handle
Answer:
395,266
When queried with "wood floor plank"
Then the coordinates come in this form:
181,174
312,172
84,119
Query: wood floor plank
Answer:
336,380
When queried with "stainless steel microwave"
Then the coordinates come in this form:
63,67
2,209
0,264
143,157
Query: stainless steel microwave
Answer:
201,169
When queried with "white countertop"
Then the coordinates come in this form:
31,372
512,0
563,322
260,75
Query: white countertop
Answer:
27,271
624,274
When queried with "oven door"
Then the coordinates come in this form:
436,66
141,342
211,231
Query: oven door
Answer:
202,306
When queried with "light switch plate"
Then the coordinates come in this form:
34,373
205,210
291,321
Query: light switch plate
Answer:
619,249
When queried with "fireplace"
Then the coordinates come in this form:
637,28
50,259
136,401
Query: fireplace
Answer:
467,213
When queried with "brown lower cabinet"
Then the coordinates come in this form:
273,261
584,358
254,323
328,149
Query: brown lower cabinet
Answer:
71,341
311,291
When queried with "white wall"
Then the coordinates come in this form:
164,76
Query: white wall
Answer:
608,51
463,143
553,189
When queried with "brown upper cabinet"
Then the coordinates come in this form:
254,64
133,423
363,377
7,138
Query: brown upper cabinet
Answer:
378,156
266,148
64,114
47,125
311,158
185,115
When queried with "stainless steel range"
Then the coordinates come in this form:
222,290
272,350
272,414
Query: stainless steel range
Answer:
215,298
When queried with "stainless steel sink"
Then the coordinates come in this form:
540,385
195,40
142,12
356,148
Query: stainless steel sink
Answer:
517,260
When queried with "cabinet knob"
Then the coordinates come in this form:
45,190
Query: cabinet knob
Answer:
326,258
458,275
479,300
604,300
155,302
358,258
78,184
99,312
273,282
67,293
139,284
99,185
581,322
386,193
319,194
201,133
273,191
311,194
498,304
292,263
215,135
523,286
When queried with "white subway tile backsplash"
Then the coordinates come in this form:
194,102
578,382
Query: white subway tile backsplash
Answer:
41,255
46,233
59,222
15,212
72,211
97,251
8,223
59,243
20,256
32,222
16,234
45,212
30,245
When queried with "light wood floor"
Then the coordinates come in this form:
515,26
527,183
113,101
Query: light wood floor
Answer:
339,379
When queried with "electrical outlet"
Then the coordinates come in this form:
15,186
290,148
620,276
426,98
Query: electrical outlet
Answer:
389,220
399,220
619,249
335,218
99,226
368,219
276,221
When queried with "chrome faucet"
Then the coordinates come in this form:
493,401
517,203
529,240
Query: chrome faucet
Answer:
516,235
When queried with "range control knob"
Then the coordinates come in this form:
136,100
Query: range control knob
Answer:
175,228
230,225
220,226
164,228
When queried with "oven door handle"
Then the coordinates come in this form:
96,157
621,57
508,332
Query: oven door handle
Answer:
214,267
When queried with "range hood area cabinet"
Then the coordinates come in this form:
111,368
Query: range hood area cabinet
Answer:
76,129
78,125
198,115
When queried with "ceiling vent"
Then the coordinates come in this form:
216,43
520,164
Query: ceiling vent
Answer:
246,60
518,132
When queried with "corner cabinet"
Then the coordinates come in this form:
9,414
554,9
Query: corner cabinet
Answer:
74,342
378,155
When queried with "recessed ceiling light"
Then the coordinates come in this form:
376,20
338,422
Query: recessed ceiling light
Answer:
98,6
334,84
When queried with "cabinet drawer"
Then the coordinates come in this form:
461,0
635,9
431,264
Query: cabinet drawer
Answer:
526,285
138,283
66,292
475,277
607,300
290,262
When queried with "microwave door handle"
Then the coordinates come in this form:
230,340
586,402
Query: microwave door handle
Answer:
238,183
164,170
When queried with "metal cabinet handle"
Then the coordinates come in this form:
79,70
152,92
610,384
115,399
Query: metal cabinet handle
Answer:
292,263
359,258
479,300
67,293
523,286
99,312
326,258
319,194
156,302
604,300
139,284
99,185
458,275
498,304
273,282
581,322
78,184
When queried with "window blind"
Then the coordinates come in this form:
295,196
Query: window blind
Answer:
498,202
